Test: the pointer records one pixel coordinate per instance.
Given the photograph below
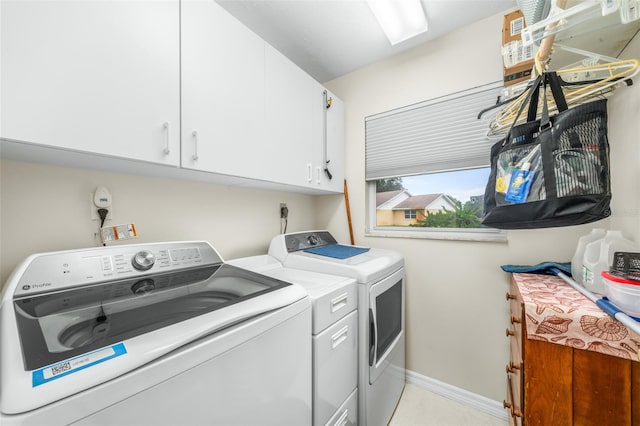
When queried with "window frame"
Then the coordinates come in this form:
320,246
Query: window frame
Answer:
458,163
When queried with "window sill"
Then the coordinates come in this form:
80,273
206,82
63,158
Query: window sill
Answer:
481,235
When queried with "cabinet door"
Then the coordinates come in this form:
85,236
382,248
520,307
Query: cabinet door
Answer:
222,93
95,76
289,118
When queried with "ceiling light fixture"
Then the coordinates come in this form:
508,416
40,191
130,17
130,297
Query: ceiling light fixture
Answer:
400,19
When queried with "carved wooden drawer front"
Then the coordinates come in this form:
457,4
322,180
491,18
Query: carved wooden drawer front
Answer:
554,384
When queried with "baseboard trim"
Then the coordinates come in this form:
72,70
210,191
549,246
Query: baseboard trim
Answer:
457,394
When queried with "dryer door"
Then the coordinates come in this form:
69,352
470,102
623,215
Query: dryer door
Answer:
386,321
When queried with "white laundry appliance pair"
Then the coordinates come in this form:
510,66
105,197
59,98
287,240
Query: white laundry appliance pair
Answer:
152,334
380,310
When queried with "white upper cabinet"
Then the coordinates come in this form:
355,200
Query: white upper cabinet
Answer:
300,129
93,76
223,94
289,118
179,83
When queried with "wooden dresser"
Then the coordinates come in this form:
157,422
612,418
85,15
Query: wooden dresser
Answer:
554,378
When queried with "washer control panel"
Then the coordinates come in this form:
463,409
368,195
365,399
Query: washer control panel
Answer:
53,271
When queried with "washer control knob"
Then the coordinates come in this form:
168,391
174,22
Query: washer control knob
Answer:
143,260
312,239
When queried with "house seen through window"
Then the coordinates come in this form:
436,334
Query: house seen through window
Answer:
435,200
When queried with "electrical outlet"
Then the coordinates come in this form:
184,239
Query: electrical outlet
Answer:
94,209
284,211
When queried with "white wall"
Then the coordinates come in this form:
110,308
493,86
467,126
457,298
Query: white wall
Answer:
46,208
624,137
456,308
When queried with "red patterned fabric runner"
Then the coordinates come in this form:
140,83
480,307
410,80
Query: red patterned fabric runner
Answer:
557,313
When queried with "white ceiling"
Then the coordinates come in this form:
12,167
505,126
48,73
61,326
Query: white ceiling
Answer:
330,38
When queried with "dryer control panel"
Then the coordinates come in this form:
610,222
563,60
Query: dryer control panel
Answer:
305,240
65,269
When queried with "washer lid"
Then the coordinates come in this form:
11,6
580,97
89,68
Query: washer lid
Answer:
59,325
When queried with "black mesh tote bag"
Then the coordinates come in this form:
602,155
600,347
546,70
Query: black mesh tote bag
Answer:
553,171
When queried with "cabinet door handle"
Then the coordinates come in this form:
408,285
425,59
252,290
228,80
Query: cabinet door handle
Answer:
510,332
510,296
339,337
515,319
165,126
309,173
195,141
339,302
318,175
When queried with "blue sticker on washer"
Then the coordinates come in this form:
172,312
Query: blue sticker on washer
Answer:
72,365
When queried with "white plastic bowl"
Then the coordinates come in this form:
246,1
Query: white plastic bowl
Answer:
623,293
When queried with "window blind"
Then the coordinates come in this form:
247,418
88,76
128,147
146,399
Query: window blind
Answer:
441,134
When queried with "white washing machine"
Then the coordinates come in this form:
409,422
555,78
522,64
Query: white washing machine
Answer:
381,306
152,334
335,338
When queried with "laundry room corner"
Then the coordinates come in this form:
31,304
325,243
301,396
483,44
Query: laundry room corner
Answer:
332,215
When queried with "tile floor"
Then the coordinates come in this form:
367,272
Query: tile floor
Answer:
419,407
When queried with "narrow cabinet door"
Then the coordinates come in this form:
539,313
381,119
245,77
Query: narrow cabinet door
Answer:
93,76
289,113
222,93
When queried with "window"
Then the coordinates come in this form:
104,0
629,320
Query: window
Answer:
427,166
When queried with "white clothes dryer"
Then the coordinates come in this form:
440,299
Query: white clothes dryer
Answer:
381,307
334,302
152,334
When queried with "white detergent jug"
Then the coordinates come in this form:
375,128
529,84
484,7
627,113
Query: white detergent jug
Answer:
598,256
578,257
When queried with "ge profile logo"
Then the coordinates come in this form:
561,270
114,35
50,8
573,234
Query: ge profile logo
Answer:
34,286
